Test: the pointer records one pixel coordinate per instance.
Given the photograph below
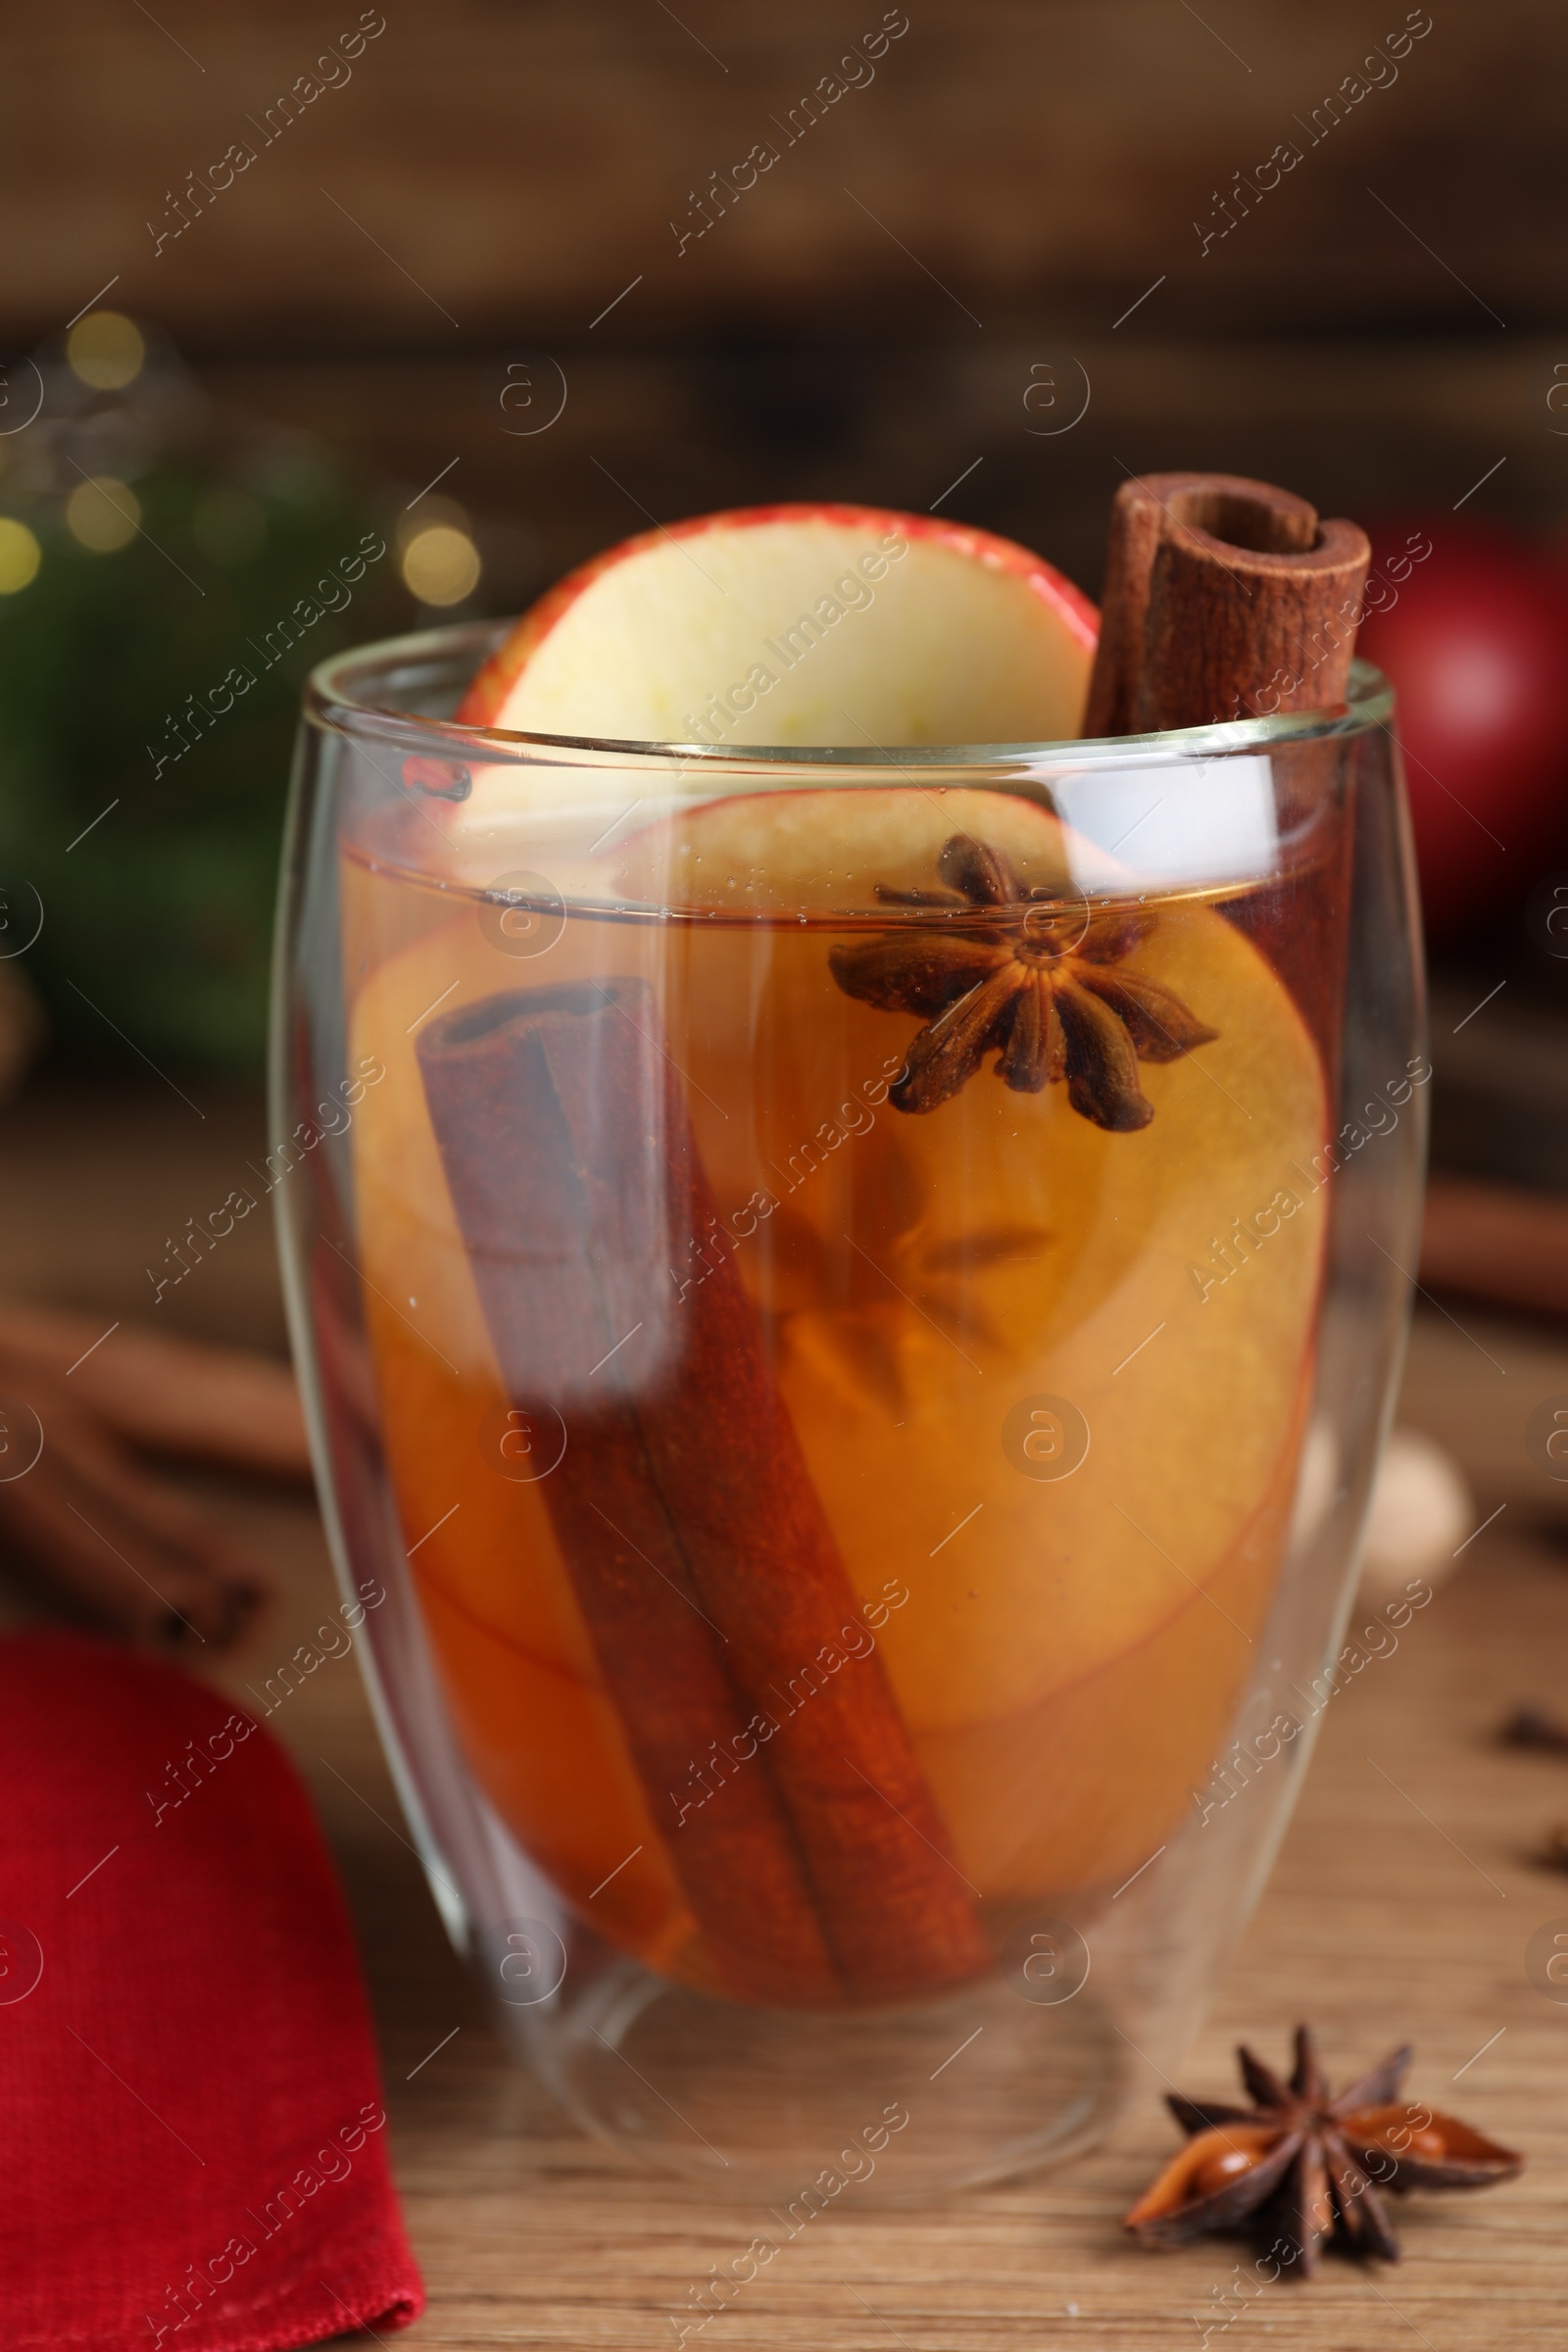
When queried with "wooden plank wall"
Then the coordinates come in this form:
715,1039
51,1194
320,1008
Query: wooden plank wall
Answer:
985,188
524,163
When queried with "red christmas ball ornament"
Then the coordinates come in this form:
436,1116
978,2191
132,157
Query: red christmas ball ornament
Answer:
1474,636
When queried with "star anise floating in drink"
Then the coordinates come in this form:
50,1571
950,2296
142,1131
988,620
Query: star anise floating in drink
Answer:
1036,986
1306,2168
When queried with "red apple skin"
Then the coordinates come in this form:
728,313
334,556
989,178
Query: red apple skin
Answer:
494,681
1477,649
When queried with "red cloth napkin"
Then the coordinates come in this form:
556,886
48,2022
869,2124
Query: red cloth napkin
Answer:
192,2140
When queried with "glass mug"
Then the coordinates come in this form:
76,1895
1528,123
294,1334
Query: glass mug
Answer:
847,1307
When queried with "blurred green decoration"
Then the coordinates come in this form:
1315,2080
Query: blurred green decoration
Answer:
168,578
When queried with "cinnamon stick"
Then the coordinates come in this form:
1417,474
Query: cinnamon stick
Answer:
713,1589
167,1393
1497,1242
92,1534
1225,598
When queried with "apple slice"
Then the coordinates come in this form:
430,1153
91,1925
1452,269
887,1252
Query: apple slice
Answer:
798,625
819,851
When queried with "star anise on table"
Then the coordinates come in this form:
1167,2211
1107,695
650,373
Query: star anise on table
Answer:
1307,2168
1036,985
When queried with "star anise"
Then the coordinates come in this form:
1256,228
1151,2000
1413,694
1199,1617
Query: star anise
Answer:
1036,986
1306,2167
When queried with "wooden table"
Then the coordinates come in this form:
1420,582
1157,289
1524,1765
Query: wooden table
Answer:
1400,1908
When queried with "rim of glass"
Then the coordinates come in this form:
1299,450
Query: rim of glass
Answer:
340,697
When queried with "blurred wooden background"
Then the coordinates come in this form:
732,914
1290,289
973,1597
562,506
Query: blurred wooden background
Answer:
522,162
1011,251
961,231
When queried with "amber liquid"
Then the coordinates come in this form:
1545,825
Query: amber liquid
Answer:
1049,1381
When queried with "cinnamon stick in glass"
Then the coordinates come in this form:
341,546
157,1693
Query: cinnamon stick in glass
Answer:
1229,598
699,1550
1225,598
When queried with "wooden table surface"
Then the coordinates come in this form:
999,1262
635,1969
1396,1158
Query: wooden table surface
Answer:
1400,1907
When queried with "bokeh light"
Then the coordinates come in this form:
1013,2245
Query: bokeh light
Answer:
20,555
105,350
103,514
441,564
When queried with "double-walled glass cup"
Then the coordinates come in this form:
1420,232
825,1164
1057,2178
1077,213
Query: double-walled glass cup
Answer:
848,1304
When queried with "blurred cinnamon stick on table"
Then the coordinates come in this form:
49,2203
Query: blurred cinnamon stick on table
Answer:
81,1519
1497,1242
168,1395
